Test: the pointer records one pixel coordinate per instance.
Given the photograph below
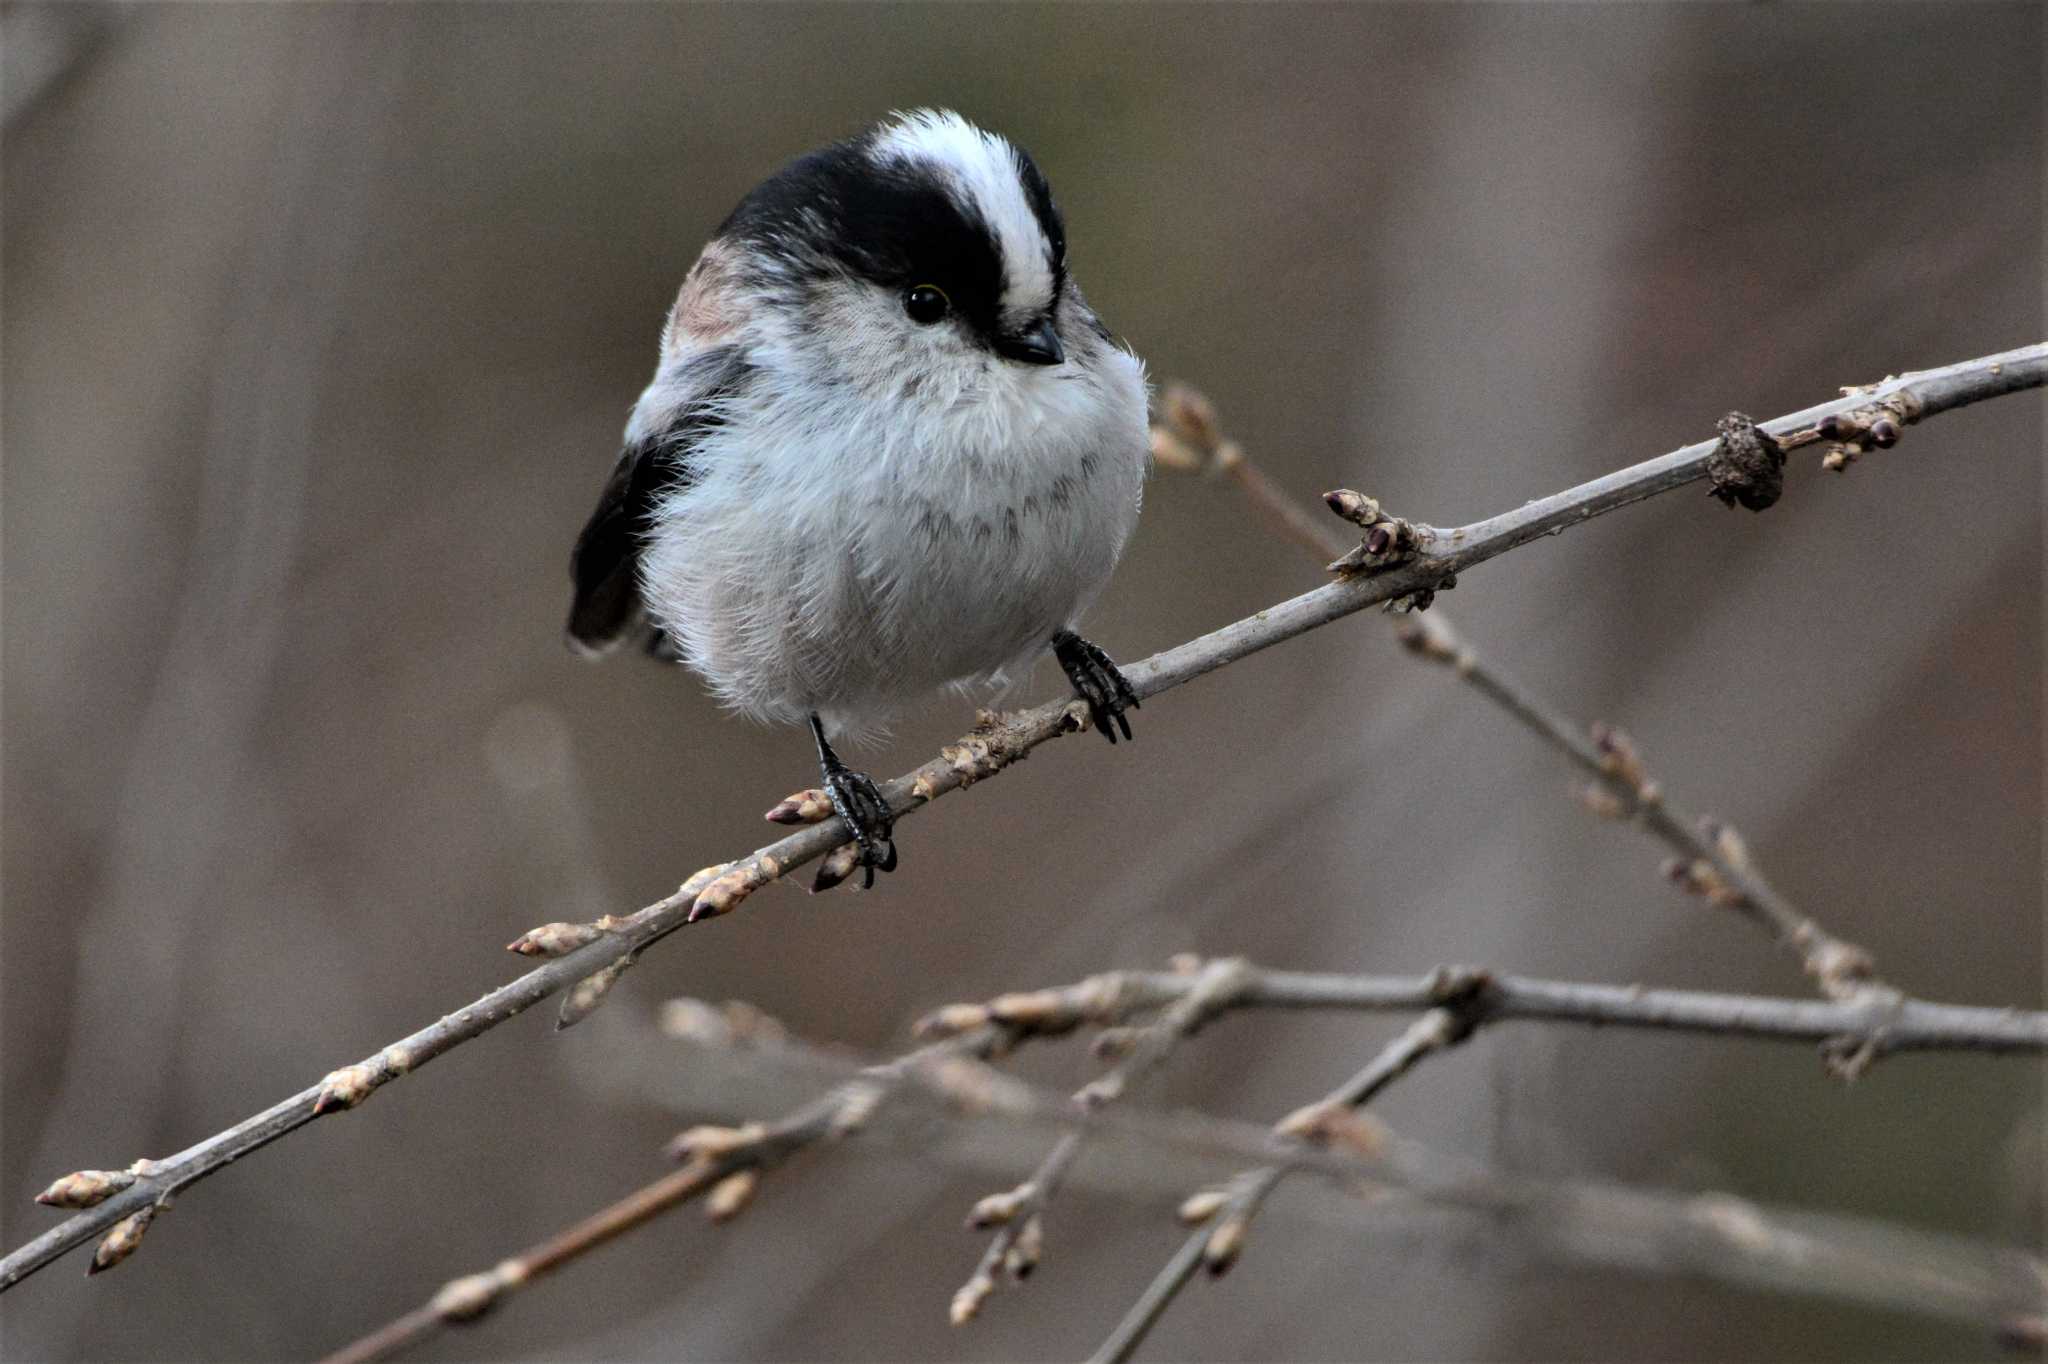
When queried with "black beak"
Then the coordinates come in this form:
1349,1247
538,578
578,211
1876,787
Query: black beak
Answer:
1037,344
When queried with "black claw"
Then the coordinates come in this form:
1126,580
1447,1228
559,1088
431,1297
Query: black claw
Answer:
859,804
1097,681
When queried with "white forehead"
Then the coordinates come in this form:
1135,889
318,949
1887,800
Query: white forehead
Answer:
982,170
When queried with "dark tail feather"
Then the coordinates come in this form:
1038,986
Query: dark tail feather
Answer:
604,614
605,565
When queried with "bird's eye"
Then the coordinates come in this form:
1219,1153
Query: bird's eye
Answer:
926,303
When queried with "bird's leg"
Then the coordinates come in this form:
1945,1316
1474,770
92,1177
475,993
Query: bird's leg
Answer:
1096,681
860,808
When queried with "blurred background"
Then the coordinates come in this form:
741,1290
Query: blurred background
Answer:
321,323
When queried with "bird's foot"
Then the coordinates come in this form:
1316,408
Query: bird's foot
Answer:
860,807
1097,681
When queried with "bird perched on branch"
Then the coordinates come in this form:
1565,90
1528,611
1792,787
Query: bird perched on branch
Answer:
887,449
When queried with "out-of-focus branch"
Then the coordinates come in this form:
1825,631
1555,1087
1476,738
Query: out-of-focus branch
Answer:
1018,1214
1712,859
1224,1214
722,1165
1863,1261
594,955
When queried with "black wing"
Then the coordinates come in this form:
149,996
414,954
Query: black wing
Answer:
605,565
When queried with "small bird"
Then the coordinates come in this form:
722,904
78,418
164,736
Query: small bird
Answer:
887,449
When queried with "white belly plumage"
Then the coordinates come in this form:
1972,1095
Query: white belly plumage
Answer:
822,563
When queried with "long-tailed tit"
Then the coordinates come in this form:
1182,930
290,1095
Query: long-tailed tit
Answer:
887,449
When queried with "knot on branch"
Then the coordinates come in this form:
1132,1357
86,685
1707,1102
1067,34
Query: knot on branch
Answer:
1747,465
349,1086
1388,542
1854,433
1465,995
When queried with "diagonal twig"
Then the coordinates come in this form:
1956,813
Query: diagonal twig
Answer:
1712,860
1226,1213
726,1163
612,945
1018,1214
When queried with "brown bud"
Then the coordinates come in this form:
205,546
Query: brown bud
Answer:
694,1021
1190,416
1839,458
1884,433
998,1209
952,1020
1171,452
1029,1009
555,940
1224,1245
1347,1129
1602,802
1025,1249
730,1196
345,1088
119,1243
83,1188
728,888
712,1142
1837,426
835,867
1100,1092
469,1297
809,806
1354,507
967,1302
586,994
1113,1044
1732,849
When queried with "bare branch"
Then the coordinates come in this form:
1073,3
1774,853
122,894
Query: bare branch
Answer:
1761,1252
1459,1000
1226,1214
985,752
1211,989
1862,1260
714,1159
1713,861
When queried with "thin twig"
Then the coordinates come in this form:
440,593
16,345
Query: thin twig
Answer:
1487,997
1227,1213
1713,861
1018,1214
715,1159
1468,1000
615,943
1870,1261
